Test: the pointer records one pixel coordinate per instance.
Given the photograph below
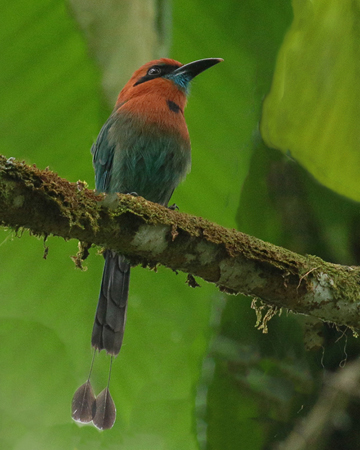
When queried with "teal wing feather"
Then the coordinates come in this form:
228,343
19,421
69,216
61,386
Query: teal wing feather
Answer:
103,155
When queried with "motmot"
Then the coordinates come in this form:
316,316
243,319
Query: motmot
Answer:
142,149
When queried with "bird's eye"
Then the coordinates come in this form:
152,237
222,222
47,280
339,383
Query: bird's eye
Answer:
153,71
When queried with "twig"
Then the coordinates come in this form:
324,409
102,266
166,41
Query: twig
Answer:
339,389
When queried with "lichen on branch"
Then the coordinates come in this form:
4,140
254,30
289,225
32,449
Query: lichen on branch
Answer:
150,234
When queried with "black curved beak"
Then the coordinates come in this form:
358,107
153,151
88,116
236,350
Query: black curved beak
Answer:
194,68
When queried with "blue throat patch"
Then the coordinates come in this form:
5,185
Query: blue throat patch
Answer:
182,81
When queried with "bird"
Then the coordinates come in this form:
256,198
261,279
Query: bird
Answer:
142,149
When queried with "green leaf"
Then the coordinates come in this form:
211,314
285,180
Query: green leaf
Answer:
313,108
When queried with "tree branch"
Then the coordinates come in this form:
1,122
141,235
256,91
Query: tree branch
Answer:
147,233
339,390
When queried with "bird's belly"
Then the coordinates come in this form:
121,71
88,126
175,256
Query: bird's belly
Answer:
150,167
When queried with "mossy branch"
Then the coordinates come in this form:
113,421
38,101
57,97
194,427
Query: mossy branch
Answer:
147,233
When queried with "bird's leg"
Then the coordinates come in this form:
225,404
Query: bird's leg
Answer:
173,207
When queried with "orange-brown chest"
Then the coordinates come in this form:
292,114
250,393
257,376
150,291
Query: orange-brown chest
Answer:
157,103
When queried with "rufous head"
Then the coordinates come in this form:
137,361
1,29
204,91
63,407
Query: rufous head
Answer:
162,75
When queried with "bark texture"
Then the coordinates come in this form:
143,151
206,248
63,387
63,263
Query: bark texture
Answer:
149,234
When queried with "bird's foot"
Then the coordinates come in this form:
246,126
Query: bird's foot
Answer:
173,207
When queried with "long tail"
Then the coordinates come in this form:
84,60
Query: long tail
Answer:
110,318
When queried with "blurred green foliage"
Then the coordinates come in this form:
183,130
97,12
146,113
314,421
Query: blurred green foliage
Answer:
193,371
313,107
